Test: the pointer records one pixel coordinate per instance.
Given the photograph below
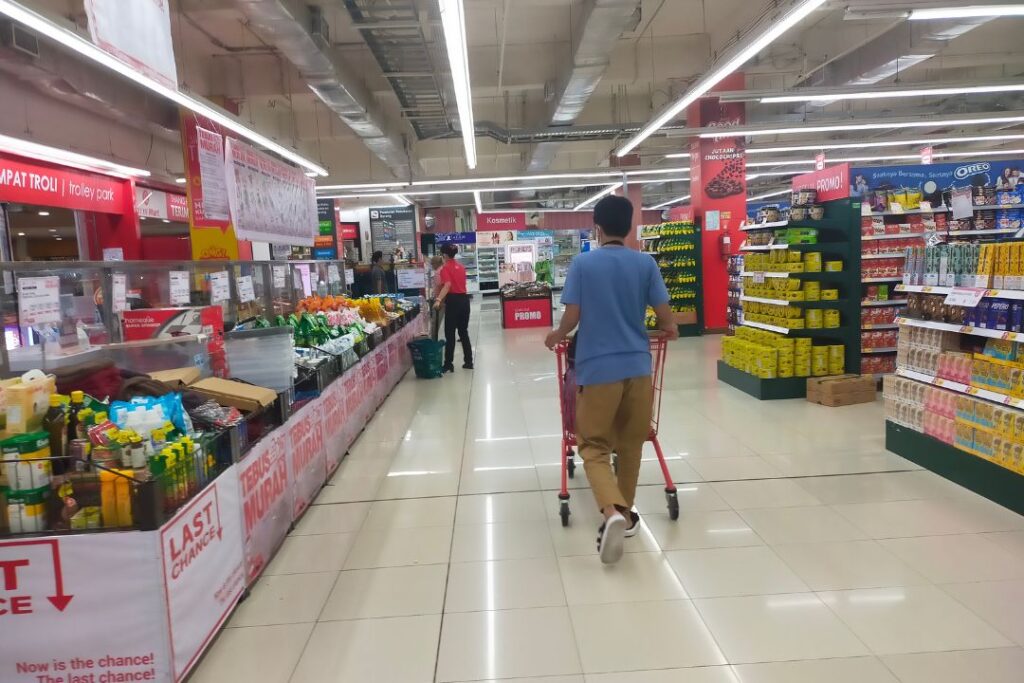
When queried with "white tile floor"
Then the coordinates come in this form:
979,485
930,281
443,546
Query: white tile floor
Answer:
805,553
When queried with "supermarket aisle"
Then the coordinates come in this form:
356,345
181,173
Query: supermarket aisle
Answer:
805,553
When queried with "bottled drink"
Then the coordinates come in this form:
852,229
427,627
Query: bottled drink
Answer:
77,405
55,424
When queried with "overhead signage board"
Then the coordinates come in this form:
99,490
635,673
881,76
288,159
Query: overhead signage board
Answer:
392,226
830,183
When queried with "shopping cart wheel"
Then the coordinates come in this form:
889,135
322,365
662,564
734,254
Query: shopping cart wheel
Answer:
570,463
673,505
563,509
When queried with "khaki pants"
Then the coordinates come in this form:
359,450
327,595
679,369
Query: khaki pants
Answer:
613,417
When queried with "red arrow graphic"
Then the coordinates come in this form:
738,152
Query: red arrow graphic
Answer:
59,600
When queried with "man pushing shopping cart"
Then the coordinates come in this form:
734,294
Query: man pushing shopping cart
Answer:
606,295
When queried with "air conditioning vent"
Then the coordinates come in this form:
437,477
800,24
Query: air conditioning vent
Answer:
318,25
24,40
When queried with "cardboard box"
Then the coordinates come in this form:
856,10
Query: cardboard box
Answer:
841,390
245,397
178,378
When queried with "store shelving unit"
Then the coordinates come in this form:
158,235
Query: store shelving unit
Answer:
683,264
488,260
838,239
467,256
734,307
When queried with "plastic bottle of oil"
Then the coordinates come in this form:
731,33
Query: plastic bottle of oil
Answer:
55,423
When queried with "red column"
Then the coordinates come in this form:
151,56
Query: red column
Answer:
109,231
718,170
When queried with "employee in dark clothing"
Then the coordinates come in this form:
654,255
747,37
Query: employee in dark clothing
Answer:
454,298
378,278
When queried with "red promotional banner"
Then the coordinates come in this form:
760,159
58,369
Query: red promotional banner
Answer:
30,182
348,231
831,183
501,221
520,313
334,418
266,501
307,468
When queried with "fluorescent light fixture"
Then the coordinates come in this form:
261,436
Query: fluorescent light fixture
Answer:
670,202
76,43
840,127
768,195
58,238
967,12
364,186
776,28
166,221
765,164
519,178
180,181
21,234
468,190
884,94
478,201
883,143
401,199
63,157
678,155
55,229
44,213
768,174
658,171
453,20
603,193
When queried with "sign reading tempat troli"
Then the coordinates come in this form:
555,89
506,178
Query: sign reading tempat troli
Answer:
718,182
33,182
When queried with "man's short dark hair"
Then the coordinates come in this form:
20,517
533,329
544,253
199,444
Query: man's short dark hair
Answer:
614,215
450,250
377,257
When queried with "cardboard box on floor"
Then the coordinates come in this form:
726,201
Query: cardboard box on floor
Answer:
841,390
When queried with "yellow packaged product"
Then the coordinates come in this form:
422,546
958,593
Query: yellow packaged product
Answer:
831,318
819,361
812,291
813,318
803,344
833,266
812,262
802,367
836,359
830,295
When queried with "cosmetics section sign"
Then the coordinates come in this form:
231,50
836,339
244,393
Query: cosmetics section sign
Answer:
501,221
270,200
830,183
25,182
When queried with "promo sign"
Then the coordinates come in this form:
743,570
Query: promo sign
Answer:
50,587
334,417
522,313
266,501
26,182
830,184
151,203
203,568
306,465
501,221
270,200
210,230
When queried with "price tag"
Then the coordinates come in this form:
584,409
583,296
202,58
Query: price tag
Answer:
220,287
926,207
39,300
964,296
961,203
246,292
350,275
759,277
180,294
895,207
333,275
280,273
119,299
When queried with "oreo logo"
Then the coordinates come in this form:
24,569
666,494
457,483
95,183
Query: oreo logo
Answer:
972,169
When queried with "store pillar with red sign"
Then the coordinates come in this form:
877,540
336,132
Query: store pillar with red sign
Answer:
107,203
718,185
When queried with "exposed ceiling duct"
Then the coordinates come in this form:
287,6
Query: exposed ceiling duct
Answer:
604,21
288,26
904,45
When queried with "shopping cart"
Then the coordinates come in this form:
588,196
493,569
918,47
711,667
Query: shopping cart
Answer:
567,403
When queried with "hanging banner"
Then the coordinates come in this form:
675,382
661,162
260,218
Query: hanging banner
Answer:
307,468
830,184
394,227
266,500
270,200
203,568
50,587
934,181
210,230
137,33
501,221
24,181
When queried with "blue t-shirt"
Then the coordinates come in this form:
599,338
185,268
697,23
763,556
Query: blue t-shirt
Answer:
613,286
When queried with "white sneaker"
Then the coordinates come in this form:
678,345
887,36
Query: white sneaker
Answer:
633,530
610,541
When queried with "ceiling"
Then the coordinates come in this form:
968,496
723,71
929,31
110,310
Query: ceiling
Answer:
599,69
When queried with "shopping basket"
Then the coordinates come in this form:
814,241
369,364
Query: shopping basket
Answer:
427,357
567,402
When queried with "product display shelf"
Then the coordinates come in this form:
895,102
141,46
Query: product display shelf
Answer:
683,281
964,329
984,477
989,293
961,388
838,239
943,209
764,226
886,302
734,309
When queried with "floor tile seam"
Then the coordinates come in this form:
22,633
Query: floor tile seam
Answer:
970,609
896,675
876,542
847,625
302,653
774,553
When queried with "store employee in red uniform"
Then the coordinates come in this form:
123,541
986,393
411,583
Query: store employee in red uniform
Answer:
452,278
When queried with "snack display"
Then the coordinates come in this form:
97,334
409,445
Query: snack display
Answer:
678,257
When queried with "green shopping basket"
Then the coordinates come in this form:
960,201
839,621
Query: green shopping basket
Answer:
427,357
